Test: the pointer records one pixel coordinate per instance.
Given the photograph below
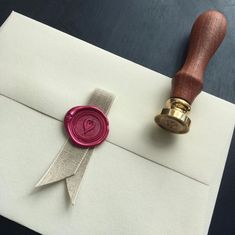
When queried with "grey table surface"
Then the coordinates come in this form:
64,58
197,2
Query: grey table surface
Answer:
153,33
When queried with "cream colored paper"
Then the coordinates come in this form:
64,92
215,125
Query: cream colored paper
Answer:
122,192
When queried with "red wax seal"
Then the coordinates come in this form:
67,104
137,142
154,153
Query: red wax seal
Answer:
87,126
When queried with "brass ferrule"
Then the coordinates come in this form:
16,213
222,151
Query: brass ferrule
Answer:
174,116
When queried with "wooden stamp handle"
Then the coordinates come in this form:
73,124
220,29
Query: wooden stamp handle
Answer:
207,33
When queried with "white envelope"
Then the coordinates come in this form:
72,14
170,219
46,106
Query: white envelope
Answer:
142,180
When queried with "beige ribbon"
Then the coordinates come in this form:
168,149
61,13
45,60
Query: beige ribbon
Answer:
71,162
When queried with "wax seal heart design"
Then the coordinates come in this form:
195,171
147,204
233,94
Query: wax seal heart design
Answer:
88,125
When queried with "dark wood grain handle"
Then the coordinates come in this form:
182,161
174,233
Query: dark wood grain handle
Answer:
207,33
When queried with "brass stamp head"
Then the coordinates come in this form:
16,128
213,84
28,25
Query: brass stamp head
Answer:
174,116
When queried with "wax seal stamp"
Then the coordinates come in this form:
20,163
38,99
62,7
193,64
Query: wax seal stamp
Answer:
207,33
87,126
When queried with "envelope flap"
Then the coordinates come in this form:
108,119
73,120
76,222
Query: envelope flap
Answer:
50,71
